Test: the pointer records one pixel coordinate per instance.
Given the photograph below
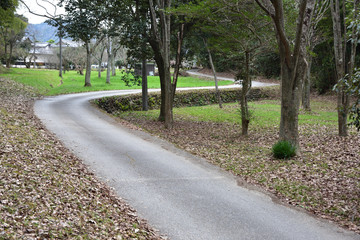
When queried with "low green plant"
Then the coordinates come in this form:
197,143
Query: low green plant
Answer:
283,150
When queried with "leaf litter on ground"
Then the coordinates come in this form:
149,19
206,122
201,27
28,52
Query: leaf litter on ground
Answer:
48,193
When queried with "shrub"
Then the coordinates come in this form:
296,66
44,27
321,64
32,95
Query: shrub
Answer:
182,99
283,150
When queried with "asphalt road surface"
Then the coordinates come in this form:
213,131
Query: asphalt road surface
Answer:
181,195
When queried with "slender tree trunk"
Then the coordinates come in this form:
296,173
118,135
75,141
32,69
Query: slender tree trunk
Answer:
354,38
99,68
60,58
8,60
88,65
217,91
108,73
180,39
307,87
113,69
108,67
34,64
145,106
246,85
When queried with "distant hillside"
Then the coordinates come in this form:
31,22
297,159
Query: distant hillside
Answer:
42,31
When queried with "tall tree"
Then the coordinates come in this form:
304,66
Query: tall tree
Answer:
313,38
343,62
236,28
52,16
160,42
293,63
7,10
12,32
83,21
99,56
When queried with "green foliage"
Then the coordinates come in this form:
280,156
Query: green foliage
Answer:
268,64
351,84
283,150
130,78
323,67
82,20
7,10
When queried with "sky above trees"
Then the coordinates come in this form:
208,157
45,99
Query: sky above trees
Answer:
33,19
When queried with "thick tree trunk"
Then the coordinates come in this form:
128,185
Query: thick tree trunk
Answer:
160,43
166,114
145,106
293,64
290,102
88,65
339,50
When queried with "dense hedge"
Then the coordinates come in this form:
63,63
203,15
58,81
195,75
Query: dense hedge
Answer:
182,99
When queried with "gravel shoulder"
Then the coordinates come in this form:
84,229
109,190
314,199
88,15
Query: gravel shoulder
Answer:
47,192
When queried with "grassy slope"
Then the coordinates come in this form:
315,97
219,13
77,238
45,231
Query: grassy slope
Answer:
323,180
48,81
265,114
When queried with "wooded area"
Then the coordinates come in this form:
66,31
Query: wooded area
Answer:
235,35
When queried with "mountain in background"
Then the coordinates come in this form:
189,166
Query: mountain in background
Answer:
43,32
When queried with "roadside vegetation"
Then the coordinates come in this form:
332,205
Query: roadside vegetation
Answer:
324,179
49,83
46,192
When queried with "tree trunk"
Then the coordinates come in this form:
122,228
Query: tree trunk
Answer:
113,69
307,87
160,43
339,50
108,67
217,91
34,64
291,85
88,65
293,64
145,106
246,85
8,59
180,39
99,68
60,58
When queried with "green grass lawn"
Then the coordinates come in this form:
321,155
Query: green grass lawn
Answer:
47,82
265,114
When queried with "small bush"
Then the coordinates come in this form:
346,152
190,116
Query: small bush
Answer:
283,150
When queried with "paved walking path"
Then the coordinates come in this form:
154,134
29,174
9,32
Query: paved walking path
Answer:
254,83
179,194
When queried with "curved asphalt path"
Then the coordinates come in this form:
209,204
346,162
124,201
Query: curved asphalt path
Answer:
181,195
